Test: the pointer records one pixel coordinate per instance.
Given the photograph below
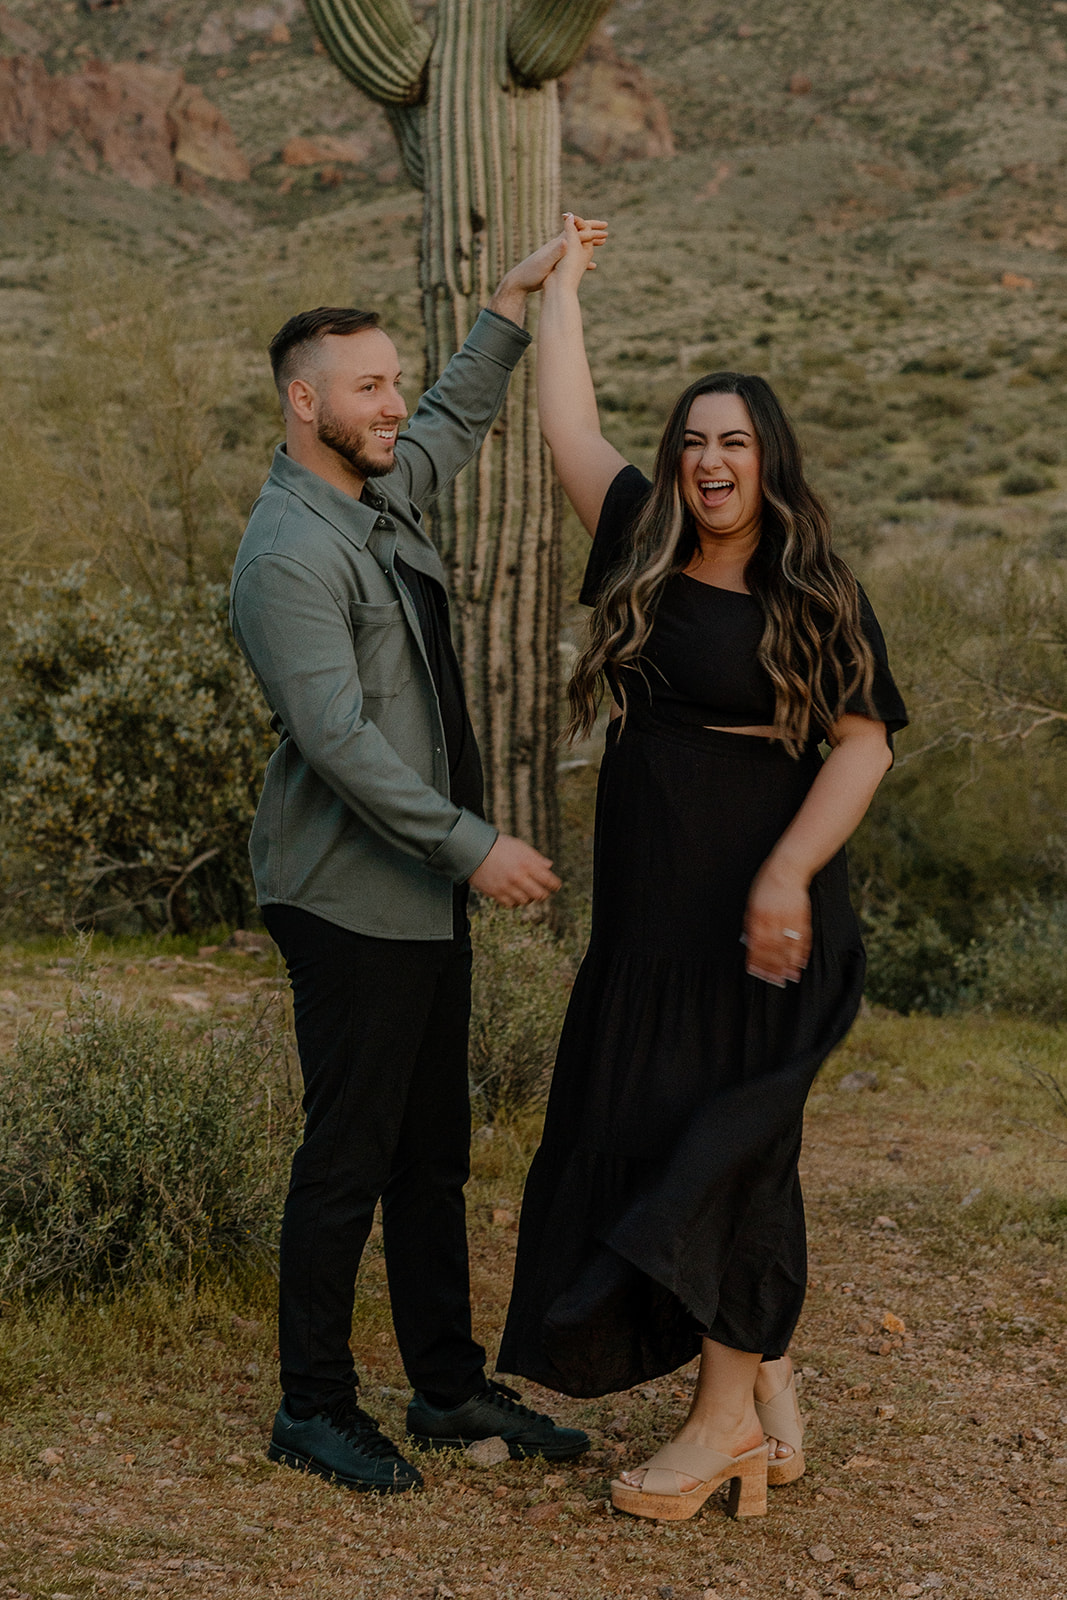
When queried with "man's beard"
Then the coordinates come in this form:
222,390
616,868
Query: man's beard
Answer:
349,444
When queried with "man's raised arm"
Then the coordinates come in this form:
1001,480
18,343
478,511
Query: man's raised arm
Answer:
453,417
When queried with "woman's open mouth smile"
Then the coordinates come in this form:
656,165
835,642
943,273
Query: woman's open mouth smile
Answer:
715,492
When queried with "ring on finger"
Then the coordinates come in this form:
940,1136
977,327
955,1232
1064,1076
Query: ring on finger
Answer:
790,933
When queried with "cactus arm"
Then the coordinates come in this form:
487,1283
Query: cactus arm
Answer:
545,37
376,43
409,125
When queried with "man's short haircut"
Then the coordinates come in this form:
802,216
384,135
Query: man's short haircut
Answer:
295,342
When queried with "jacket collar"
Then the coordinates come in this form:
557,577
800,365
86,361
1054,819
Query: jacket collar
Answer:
354,519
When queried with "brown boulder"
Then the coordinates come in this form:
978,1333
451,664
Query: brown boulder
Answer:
368,150
325,147
145,123
609,110
204,139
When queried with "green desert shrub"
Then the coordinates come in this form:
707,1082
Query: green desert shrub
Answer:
912,964
1044,449
522,978
1052,365
938,362
978,367
934,401
133,740
1018,965
847,406
1025,480
951,481
975,528
129,1153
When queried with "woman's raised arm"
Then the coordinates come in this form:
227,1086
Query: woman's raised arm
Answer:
586,463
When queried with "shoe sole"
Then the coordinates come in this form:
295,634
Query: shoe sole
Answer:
287,1457
745,1478
786,1470
516,1450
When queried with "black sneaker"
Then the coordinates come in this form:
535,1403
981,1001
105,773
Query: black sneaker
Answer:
496,1412
344,1445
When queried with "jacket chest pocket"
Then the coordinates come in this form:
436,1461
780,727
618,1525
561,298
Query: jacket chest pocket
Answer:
382,647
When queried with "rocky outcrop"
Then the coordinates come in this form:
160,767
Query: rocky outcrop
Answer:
610,112
144,123
150,126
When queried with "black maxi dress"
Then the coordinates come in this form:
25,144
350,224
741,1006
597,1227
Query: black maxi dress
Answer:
664,1202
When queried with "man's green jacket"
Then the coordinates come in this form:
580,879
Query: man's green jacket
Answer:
355,822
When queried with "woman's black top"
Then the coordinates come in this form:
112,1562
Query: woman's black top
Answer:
699,665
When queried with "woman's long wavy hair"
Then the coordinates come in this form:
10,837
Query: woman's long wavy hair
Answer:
813,646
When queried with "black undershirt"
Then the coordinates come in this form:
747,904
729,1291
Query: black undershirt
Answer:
465,781
466,784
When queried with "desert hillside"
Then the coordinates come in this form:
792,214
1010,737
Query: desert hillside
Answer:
867,203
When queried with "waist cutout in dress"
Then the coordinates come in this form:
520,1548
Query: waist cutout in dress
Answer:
652,720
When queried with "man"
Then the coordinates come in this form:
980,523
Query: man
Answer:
367,834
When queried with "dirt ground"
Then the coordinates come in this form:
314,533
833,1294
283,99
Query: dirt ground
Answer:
931,1351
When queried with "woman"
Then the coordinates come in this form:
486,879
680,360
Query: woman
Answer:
663,1216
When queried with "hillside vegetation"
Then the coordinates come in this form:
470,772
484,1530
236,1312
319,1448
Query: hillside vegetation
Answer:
868,204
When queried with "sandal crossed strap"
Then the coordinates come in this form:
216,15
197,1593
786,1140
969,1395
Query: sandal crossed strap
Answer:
780,1419
661,1494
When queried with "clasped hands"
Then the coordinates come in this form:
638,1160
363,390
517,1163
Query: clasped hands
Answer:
573,246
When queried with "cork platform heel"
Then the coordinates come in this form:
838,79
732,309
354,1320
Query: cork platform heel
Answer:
661,1496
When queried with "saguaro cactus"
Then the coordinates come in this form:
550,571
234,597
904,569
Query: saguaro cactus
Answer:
474,107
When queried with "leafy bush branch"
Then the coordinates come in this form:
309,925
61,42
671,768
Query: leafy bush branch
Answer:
128,1153
133,740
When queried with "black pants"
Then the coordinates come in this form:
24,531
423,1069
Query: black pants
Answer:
381,1025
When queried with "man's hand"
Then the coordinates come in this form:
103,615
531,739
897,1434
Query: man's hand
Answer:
529,276
514,873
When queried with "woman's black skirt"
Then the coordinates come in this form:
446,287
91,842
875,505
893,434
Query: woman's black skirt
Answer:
664,1202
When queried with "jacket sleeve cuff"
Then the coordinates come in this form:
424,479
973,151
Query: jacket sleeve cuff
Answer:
465,848
498,338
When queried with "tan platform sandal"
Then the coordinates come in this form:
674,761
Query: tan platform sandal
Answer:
661,1496
780,1419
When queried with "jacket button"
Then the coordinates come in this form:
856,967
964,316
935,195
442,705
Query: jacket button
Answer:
385,524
